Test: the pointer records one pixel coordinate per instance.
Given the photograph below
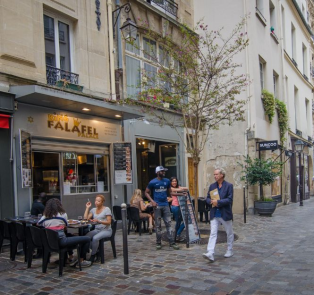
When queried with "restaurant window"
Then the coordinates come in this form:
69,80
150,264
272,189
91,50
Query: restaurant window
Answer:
85,173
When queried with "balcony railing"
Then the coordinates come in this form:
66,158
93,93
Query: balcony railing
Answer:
169,6
54,74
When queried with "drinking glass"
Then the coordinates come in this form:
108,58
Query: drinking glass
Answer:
39,216
80,218
27,215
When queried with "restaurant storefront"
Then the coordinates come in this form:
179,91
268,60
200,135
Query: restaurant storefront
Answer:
63,145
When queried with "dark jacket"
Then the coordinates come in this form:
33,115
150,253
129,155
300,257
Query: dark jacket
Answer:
37,208
225,202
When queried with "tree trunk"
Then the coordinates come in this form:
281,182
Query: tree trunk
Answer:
195,190
261,192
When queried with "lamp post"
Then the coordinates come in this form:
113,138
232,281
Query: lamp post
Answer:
129,28
299,145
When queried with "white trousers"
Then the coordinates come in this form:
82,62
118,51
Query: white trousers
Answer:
214,225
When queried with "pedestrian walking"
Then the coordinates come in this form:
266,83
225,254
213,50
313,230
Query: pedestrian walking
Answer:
157,191
220,197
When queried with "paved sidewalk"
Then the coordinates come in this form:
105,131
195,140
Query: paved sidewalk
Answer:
273,255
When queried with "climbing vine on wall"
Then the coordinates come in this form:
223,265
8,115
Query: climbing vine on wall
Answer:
269,104
283,119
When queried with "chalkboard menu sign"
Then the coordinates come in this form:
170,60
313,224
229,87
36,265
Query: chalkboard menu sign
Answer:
194,233
122,163
26,158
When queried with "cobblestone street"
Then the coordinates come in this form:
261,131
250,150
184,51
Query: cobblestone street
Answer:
273,255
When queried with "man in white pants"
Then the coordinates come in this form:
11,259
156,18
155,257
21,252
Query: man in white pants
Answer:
220,197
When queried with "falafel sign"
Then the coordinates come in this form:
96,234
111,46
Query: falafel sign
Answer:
122,163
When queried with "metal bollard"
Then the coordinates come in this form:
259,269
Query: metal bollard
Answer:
244,205
125,239
187,222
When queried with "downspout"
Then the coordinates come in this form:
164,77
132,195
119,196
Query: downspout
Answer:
111,52
120,64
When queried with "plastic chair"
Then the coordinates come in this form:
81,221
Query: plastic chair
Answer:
117,212
50,240
134,217
5,234
34,241
17,233
111,239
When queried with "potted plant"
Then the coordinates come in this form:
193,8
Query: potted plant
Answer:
262,172
64,83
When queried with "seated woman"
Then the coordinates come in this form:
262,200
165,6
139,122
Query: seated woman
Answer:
175,208
55,218
102,216
137,202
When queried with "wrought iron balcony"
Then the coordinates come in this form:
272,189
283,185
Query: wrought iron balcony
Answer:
169,6
54,74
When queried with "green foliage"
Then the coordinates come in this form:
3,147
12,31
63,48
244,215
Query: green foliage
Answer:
269,104
283,119
259,171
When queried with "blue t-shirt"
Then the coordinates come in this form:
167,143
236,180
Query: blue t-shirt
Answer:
159,189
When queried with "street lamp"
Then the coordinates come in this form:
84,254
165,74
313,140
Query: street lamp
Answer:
299,146
129,28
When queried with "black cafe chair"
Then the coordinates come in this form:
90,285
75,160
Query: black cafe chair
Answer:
203,209
5,234
17,233
50,240
34,241
111,239
134,218
117,212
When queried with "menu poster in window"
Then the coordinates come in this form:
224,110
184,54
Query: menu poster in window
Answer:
122,163
26,159
194,233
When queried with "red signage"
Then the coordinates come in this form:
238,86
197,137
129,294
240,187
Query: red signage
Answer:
4,121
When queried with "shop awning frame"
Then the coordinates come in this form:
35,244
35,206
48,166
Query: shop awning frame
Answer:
51,97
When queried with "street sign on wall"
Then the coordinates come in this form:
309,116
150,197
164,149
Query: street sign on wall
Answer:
267,145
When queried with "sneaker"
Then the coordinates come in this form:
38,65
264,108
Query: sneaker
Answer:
73,262
174,246
84,263
158,246
209,256
150,230
228,254
180,239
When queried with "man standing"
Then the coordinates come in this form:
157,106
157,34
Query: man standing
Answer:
159,188
220,197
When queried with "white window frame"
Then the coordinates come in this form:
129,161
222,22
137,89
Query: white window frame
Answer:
58,18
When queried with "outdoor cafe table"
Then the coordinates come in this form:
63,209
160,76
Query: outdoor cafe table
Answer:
80,226
32,220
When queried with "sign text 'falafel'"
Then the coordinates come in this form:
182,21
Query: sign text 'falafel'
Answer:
62,123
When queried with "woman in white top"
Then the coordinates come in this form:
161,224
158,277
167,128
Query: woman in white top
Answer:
55,218
102,216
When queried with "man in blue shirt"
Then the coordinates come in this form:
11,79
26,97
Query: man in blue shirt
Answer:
220,197
159,188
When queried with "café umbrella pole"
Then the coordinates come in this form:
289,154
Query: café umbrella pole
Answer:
125,239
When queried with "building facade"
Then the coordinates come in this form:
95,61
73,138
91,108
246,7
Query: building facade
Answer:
55,83
277,60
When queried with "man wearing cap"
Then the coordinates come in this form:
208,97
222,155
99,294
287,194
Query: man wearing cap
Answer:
159,188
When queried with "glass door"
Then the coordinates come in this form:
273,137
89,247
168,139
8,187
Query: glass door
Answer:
169,158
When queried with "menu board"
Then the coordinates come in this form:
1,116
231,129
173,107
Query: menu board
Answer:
194,234
26,158
122,163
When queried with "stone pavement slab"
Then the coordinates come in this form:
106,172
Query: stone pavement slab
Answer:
273,256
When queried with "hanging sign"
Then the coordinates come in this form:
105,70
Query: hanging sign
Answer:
194,233
122,163
26,158
267,145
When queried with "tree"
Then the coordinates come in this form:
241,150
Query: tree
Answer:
195,85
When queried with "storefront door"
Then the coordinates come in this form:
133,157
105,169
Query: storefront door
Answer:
46,174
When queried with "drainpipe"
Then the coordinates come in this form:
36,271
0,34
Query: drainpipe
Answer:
120,65
111,52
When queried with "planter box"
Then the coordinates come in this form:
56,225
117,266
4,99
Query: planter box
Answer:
278,198
71,86
265,208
